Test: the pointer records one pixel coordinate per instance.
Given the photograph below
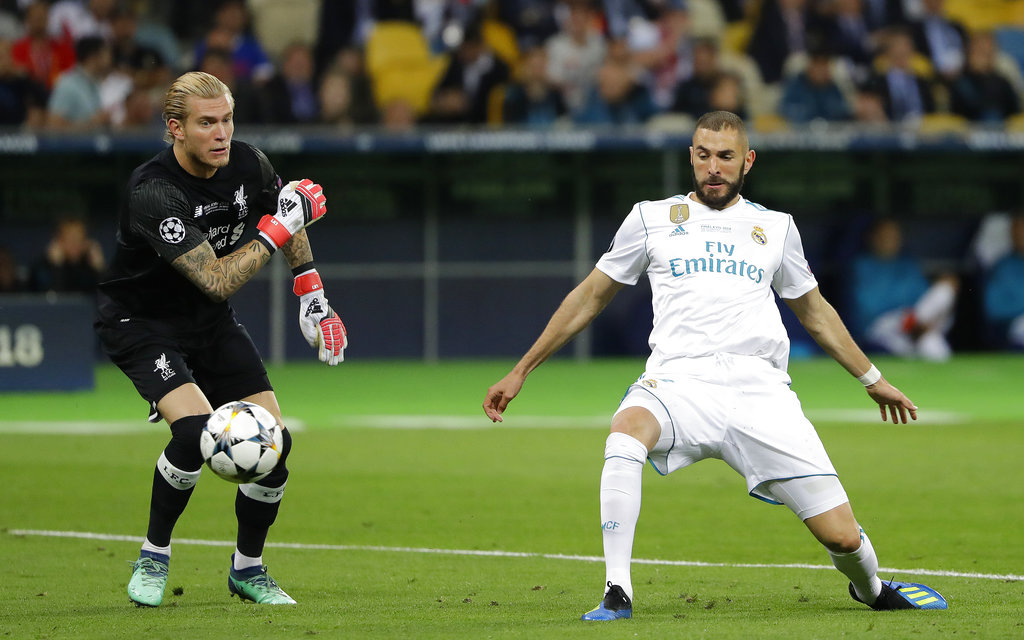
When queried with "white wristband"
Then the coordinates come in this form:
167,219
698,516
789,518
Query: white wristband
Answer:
872,376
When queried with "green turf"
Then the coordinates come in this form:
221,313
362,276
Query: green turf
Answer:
935,495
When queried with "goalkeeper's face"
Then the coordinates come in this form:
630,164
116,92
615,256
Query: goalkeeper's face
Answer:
206,133
720,160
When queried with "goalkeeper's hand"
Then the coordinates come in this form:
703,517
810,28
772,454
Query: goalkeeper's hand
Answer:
299,204
320,325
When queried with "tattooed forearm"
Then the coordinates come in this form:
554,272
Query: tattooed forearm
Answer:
297,250
220,278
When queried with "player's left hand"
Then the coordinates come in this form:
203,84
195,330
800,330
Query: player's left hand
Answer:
320,325
892,399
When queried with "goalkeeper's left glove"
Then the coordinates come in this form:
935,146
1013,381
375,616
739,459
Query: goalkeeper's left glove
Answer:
320,325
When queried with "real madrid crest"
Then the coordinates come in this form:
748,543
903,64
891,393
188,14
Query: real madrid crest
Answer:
679,213
647,382
758,235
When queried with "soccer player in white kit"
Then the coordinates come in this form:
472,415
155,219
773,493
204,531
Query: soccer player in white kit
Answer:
715,385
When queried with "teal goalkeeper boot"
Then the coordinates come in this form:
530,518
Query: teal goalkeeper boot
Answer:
256,585
149,577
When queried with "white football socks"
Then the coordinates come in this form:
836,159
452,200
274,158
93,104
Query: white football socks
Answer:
861,567
624,458
241,561
152,548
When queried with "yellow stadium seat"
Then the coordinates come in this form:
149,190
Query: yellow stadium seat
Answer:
496,105
502,40
1015,123
942,123
413,83
395,43
769,123
736,37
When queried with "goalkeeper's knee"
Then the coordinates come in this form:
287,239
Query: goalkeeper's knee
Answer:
181,459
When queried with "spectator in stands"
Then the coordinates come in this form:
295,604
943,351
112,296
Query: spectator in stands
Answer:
42,56
141,110
398,116
1004,293
340,25
693,96
632,19
291,94
882,14
76,19
727,95
533,21
779,32
73,260
533,99
22,99
76,102
352,63
126,48
663,50
464,91
334,99
869,107
981,93
232,30
575,53
940,39
894,306
618,98
813,94
249,107
11,279
848,34
906,95
130,59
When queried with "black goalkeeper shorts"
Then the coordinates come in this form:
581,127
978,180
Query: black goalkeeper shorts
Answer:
158,358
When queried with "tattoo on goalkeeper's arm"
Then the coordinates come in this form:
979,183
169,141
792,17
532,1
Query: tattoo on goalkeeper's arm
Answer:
220,278
297,251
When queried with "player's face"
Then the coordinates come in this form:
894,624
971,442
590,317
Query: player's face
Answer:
205,135
720,160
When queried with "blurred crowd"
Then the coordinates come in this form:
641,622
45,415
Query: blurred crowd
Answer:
86,64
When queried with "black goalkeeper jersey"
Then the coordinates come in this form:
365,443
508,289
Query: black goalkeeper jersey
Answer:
167,212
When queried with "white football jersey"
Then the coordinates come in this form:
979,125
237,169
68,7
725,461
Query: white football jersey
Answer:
710,273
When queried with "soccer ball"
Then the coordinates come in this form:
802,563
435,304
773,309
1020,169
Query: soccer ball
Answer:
241,442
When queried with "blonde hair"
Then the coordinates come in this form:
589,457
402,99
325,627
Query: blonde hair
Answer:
197,84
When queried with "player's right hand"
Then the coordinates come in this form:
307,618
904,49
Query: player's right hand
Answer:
889,397
502,393
299,204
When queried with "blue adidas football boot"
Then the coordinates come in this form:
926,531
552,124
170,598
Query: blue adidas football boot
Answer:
616,604
905,595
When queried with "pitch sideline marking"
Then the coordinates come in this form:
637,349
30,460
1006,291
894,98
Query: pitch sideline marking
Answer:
506,554
446,422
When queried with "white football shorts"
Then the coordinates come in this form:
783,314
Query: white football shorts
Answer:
741,410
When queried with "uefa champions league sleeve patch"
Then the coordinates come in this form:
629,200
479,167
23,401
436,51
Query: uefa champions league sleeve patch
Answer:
172,230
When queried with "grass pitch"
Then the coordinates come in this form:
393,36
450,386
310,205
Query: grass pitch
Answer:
408,515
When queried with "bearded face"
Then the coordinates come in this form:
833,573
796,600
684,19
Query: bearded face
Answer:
720,160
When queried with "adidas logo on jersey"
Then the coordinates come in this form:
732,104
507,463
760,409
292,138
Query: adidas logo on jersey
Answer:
678,231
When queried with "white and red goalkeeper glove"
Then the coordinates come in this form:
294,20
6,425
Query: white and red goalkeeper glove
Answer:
320,325
299,204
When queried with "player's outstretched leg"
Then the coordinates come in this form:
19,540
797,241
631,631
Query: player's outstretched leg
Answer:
904,595
149,577
616,604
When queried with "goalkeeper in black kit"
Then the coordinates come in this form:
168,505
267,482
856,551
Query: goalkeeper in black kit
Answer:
199,220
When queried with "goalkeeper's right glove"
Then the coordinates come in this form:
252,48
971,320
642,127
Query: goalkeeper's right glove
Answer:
299,204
